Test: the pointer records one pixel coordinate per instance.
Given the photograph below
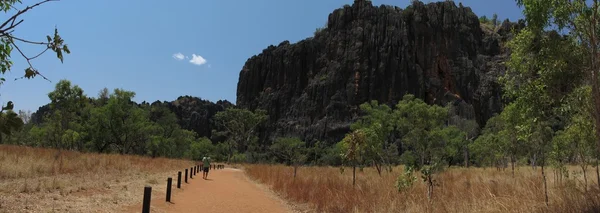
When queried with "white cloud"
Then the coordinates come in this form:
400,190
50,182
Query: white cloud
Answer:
178,56
197,60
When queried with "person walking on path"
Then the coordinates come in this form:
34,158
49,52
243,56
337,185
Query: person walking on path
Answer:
206,165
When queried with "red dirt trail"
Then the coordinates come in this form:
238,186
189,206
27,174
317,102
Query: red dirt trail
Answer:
226,190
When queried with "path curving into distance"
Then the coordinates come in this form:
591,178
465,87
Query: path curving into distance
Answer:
226,190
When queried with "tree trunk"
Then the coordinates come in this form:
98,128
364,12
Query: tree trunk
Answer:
545,186
429,187
597,173
466,153
512,165
354,175
378,167
583,167
295,169
594,79
533,161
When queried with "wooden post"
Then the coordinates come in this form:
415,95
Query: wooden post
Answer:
191,173
179,180
186,175
146,202
169,182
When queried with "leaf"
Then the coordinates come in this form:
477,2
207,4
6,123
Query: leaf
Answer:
30,73
59,55
66,49
9,106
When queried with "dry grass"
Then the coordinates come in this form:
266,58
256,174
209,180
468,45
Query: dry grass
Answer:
460,190
45,180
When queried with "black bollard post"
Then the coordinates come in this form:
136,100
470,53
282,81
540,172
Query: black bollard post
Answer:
186,175
179,180
147,196
169,182
191,174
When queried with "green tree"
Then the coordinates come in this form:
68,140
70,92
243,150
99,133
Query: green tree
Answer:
125,123
292,151
578,136
199,148
420,125
353,148
67,104
580,21
240,127
467,126
376,120
9,122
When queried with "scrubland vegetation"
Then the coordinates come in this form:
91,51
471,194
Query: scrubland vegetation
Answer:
327,189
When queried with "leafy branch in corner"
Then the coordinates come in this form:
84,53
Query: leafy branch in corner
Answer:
9,41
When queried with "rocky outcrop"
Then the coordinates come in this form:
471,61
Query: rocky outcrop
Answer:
437,51
196,114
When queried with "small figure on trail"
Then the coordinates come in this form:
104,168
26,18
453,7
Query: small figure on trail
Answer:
206,165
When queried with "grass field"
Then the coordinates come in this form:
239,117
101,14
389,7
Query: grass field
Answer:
325,189
46,180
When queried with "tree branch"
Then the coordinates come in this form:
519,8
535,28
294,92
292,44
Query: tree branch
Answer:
28,61
23,40
12,18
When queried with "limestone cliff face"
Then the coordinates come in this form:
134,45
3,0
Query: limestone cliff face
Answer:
437,51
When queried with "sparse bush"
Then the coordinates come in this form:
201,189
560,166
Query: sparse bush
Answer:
238,158
406,179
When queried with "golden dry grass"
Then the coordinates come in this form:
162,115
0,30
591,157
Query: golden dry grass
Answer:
45,180
325,189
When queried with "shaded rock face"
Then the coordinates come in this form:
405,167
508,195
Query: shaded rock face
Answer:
196,114
438,52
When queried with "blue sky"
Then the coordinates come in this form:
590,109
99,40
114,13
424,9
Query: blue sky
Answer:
130,44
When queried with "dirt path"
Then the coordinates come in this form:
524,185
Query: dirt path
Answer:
226,190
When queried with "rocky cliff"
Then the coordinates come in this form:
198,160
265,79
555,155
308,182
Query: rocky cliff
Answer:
195,114
439,52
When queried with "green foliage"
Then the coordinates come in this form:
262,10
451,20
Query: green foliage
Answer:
406,179
201,148
238,158
9,123
113,123
377,127
240,128
423,128
292,151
